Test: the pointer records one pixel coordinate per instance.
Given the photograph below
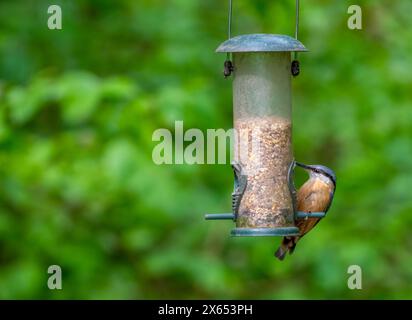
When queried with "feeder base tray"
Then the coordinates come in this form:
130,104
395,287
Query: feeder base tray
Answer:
265,232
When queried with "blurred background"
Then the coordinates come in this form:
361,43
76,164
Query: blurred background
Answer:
78,187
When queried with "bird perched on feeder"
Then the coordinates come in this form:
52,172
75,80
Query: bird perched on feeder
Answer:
315,195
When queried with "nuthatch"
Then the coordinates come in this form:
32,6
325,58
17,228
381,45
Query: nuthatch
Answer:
315,195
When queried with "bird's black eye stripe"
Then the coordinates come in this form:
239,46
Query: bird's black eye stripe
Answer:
325,174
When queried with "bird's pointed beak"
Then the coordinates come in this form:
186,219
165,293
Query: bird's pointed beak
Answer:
304,166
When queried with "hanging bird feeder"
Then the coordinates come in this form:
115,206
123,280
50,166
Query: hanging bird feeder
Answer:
263,200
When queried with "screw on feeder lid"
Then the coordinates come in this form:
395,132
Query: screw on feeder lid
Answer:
261,42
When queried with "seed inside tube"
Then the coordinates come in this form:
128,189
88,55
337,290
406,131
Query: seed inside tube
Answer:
263,149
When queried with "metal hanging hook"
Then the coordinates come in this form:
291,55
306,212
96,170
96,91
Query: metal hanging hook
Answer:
229,31
228,66
297,21
295,67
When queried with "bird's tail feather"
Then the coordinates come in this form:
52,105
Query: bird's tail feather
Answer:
281,253
292,248
288,245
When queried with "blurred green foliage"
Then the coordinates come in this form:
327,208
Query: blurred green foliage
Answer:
78,187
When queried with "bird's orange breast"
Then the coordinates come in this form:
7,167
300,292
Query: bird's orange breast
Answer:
314,196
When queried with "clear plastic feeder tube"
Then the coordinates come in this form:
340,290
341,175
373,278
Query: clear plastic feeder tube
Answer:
263,131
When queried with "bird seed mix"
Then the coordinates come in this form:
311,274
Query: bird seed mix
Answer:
263,148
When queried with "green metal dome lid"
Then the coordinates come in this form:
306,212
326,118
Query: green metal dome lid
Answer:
261,42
